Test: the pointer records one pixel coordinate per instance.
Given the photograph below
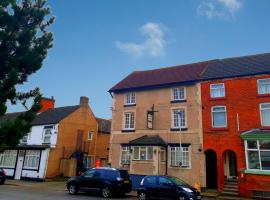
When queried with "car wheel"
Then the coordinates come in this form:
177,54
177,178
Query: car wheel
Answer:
142,196
106,192
182,198
72,189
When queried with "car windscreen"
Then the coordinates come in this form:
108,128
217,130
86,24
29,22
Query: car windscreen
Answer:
178,181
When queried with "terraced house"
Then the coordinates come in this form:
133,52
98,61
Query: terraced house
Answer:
62,141
206,123
156,123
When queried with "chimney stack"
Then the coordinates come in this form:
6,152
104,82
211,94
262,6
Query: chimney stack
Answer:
46,103
84,101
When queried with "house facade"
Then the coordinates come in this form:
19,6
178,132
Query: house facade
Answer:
236,124
156,124
57,135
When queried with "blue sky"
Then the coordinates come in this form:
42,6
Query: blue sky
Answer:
99,42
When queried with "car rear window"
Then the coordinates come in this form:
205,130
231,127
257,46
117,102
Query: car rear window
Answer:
124,174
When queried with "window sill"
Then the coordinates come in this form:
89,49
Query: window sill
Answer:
217,98
263,95
129,105
127,131
219,129
179,101
178,129
257,172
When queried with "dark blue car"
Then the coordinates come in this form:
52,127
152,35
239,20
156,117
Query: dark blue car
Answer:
166,187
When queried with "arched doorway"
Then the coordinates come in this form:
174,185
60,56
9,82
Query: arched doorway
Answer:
211,168
230,164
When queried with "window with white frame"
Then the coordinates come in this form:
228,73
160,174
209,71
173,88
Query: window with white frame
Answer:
178,93
219,117
217,90
31,160
8,159
264,86
142,153
129,121
258,154
179,118
90,135
47,134
130,98
180,157
24,139
265,114
125,156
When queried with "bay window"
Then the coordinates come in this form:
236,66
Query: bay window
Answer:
8,159
258,154
31,160
142,153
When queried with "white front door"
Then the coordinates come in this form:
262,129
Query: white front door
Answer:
19,165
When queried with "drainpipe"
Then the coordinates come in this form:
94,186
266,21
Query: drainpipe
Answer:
166,168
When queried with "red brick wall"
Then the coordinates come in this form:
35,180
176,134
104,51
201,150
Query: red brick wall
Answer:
241,97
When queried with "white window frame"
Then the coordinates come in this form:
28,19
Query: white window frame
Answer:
90,135
129,125
259,154
47,137
258,85
130,98
125,158
146,154
179,120
8,159
181,150
211,89
178,91
212,114
31,156
261,113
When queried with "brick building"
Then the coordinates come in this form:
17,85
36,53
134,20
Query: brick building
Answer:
236,124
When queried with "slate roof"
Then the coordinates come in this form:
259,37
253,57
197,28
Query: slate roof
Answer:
9,116
104,125
190,73
53,116
237,67
151,140
160,77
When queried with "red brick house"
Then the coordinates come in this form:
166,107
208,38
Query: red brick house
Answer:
236,124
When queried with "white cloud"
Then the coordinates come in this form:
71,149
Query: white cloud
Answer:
219,8
153,45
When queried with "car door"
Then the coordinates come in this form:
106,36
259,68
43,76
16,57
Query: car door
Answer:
167,188
151,186
86,181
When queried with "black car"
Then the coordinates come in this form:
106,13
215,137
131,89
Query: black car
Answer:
107,181
166,187
2,176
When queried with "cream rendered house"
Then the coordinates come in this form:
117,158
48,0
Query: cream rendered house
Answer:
156,123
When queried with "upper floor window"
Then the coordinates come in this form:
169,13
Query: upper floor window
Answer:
90,135
265,114
129,121
143,153
180,157
264,86
217,90
179,118
178,94
258,154
219,117
130,98
47,134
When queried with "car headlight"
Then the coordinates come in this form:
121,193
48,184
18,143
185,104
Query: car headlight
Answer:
188,190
